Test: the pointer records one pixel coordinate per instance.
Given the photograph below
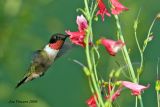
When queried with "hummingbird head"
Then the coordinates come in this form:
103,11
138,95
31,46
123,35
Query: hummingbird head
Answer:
57,40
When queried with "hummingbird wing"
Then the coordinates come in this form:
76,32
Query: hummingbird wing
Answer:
37,66
65,48
40,60
37,56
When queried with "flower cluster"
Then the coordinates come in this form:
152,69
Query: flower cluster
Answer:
116,8
111,46
136,90
78,37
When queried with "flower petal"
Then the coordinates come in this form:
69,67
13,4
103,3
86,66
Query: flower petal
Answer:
91,102
135,88
112,46
117,7
115,95
82,23
102,9
77,38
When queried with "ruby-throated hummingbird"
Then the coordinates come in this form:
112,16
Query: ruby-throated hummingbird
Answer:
44,58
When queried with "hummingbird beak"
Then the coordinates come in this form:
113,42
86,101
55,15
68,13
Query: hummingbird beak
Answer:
67,35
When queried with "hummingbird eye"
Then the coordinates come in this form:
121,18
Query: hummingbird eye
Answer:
53,39
56,37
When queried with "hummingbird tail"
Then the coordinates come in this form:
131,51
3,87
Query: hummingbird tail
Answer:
22,81
28,77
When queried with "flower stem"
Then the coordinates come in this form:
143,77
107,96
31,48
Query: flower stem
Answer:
126,55
90,54
92,90
158,100
149,33
136,104
95,84
144,45
94,65
139,48
140,100
157,84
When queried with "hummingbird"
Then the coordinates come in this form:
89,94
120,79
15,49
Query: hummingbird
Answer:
44,58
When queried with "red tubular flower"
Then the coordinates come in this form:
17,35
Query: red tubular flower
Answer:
91,102
117,7
102,9
82,23
109,88
112,46
115,95
135,88
78,37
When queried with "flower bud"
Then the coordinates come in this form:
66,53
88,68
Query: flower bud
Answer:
96,18
157,87
111,74
86,71
158,16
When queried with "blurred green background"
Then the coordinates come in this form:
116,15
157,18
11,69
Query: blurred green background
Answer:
26,25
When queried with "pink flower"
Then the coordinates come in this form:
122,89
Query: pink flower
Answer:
117,7
78,37
102,9
112,46
82,23
115,95
91,102
135,88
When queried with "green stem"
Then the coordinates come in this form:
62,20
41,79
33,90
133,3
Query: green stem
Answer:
135,31
135,34
149,32
141,53
127,57
87,9
140,100
125,50
158,100
88,54
139,48
157,90
94,66
95,84
136,102
97,89
90,85
92,89
94,9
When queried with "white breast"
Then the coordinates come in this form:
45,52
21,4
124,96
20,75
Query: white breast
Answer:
51,52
